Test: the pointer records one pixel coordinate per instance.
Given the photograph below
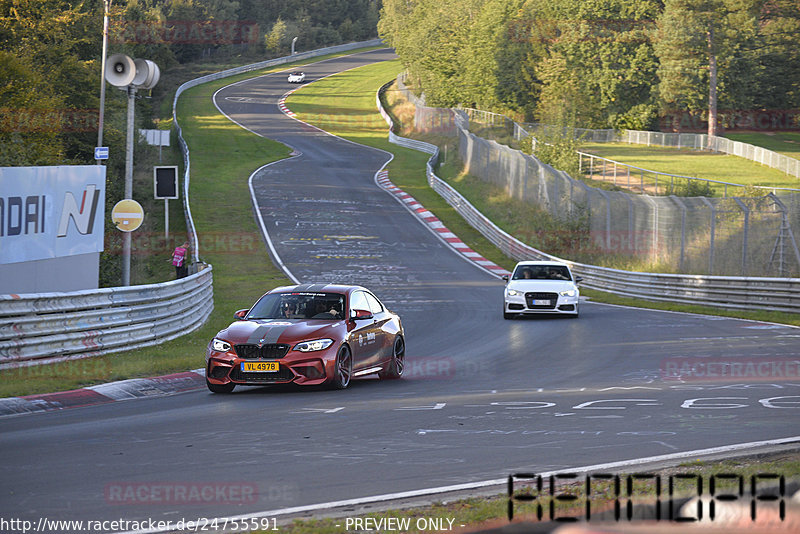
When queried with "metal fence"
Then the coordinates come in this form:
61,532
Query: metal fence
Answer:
51,327
636,179
769,293
758,154
728,236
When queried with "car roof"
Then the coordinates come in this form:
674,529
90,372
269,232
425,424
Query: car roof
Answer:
541,262
317,288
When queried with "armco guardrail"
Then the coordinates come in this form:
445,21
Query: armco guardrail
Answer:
777,294
50,327
226,74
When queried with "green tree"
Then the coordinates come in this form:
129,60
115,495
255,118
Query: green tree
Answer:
275,38
599,66
698,42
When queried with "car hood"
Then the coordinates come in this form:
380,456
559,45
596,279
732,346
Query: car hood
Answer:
541,286
280,331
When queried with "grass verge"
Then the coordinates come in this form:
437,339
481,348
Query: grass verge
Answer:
491,512
223,156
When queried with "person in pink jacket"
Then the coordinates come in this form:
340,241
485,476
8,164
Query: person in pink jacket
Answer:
179,257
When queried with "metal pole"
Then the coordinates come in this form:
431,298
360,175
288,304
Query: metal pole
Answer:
683,232
293,42
746,212
711,237
166,220
126,236
106,3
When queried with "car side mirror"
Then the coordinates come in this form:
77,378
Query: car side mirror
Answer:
360,314
505,278
239,315
578,279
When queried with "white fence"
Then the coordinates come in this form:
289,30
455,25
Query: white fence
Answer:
758,154
648,179
51,327
778,294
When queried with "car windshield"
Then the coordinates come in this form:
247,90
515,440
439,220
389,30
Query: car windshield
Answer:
541,272
298,305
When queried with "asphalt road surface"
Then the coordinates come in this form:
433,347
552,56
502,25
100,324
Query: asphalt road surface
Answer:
483,397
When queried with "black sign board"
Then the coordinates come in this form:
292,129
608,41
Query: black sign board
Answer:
165,180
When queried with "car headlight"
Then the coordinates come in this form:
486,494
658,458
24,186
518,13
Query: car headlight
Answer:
220,345
568,293
513,292
311,346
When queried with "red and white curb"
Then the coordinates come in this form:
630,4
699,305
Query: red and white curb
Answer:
438,226
428,218
134,388
282,103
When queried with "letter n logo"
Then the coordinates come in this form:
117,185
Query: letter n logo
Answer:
83,216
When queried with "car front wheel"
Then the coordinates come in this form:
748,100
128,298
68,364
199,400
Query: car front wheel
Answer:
220,388
343,368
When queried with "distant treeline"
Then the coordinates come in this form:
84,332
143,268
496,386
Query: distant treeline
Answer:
602,63
50,57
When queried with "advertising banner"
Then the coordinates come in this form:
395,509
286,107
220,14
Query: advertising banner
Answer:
51,212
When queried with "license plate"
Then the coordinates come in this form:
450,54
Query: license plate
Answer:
541,302
260,367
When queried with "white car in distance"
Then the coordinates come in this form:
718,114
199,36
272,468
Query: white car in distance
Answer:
297,77
541,287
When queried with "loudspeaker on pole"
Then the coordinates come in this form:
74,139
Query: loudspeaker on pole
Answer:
120,70
147,74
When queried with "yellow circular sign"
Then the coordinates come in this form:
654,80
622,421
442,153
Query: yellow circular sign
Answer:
127,215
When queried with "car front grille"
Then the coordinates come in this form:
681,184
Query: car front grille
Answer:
283,375
530,297
270,351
